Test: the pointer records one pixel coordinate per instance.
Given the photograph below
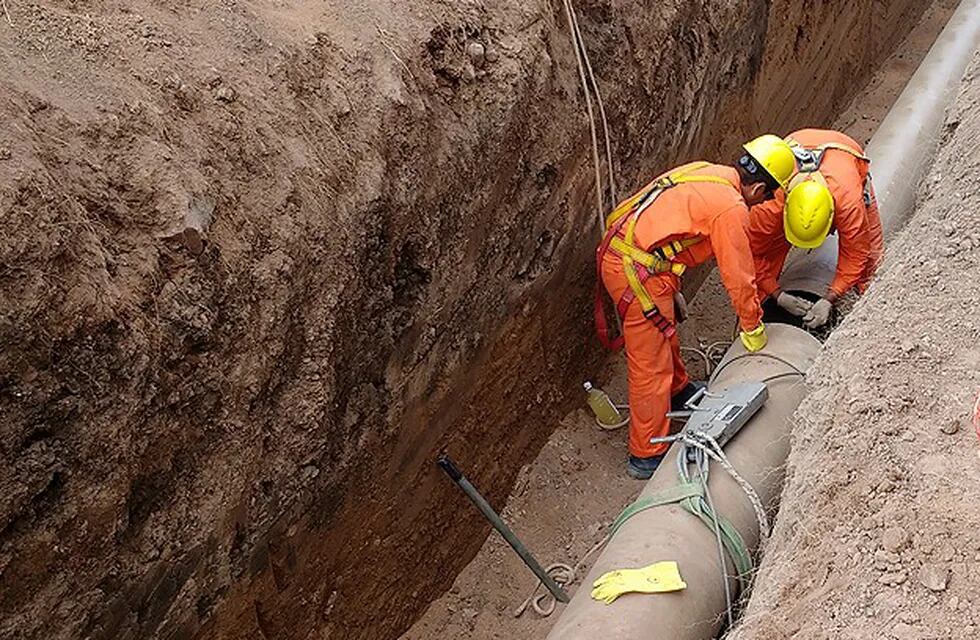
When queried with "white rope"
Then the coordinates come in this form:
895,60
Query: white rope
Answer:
703,442
584,64
598,98
716,528
710,447
704,356
600,219
544,603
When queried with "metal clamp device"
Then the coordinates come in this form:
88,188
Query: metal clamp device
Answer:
720,414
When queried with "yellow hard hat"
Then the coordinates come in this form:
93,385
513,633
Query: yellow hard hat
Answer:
809,214
774,155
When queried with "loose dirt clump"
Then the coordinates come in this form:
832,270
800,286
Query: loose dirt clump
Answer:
878,535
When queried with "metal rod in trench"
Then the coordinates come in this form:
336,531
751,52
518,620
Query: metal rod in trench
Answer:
453,472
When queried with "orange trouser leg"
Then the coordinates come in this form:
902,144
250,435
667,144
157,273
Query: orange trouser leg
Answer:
654,367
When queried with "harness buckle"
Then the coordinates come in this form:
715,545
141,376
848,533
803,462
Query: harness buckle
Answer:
664,325
808,160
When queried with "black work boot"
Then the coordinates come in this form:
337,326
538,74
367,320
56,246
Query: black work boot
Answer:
678,401
643,468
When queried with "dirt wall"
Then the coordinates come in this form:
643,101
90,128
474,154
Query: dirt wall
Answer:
878,535
262,262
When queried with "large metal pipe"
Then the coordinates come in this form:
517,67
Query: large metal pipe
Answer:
669,533
902,148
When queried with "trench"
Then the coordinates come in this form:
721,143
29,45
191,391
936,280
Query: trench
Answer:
234,437
564,499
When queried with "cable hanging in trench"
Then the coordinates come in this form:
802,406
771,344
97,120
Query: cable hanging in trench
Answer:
590,88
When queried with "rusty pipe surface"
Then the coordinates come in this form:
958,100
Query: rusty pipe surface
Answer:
902,148
758,452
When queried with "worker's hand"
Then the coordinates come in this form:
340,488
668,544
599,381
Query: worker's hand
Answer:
819,314
661,577
754,340
793,305
680,307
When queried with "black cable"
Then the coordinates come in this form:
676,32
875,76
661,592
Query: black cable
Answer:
753,355
783,375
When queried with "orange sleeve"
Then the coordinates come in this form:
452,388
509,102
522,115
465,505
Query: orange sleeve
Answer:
730,244
768,266
769,246
855,243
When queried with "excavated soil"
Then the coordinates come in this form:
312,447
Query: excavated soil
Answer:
879,532
564,500
263,261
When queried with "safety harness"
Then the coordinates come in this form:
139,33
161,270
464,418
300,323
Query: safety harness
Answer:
809,159
639,263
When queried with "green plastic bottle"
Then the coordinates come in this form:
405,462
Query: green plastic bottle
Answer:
606,413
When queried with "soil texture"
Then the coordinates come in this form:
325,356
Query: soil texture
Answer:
263,261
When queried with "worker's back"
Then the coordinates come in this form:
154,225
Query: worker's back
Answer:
845,173
689,209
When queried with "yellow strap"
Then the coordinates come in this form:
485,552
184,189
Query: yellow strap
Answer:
647,194
843,147
626,247
648,260
688,179
646,302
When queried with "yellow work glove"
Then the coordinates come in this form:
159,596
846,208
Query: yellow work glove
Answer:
657,578
754,340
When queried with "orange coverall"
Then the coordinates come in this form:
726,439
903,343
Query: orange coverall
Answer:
858,226
715,213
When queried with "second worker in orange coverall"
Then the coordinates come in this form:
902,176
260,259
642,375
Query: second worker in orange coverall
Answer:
680,220
832,191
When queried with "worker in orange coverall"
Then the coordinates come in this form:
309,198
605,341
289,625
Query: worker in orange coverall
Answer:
680,220
831,191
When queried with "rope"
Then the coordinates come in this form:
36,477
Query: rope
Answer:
712,354
544,603
704,356
583,63
757,354
598,98
588,107
707,444
612,427
703,476
726,536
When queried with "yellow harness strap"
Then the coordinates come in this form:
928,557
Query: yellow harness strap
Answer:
803,176
820,148
845,148
658,259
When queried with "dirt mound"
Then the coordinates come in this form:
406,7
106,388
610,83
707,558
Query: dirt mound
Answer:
879,532
262,261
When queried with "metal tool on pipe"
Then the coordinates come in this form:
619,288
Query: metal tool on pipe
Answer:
498,523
